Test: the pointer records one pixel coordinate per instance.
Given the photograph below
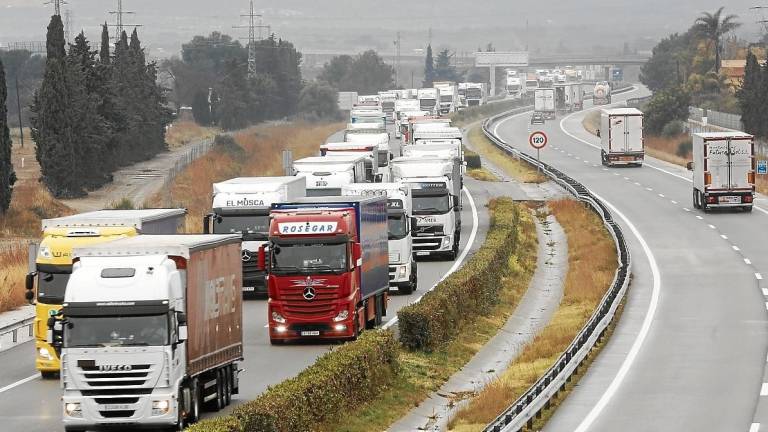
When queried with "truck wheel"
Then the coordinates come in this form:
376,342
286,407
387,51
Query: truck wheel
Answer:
696,203
747,209
703,202
49,375
276,341
227,385
220,390
194,403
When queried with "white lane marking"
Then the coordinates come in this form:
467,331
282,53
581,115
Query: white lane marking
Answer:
459,261
724,237
626,178
686,209
673,202
661,196
754,427
641,335
562,127
711,226
20,382
699,217
764,389
615,174
765,291
506,119
605,169
747,261
736,248
766,307
758,276
649,189
638,183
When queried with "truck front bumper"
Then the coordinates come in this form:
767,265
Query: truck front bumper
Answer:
141,412
399,276
255,286
46,358
426,246
291,328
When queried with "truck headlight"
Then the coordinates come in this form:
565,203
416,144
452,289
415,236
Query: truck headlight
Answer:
394,257
72,409
446,242
161,407
45,252
402,271
342,316
44,354
276,317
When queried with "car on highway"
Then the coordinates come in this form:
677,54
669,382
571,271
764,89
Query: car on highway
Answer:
537,118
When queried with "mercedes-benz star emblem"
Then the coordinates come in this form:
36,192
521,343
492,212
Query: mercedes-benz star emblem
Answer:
309,293
246,255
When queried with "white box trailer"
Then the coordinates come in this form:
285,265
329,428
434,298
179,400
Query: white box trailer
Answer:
544,102
723,170
326,175
621,137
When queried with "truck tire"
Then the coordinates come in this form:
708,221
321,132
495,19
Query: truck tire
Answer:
227,385
747,209
696,203
703,202
49,375
276,341
220,401
194,404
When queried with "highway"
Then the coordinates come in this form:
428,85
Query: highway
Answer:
689,351
31,404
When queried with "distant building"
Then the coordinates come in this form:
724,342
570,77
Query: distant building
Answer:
733,70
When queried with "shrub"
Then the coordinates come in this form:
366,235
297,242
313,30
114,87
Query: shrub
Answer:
471,291
673,129
228,145
473,160
338,381
123,204
685,147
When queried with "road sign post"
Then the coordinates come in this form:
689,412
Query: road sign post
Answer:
762,167
538,140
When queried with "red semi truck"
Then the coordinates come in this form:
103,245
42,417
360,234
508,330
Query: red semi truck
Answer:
328,267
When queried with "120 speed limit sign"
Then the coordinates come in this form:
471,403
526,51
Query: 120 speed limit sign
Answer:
538,140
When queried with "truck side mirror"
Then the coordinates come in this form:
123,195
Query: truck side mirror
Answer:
181,318
378,178
689,166
182,333
414,225
207,223
261,262
598,133
29,282
357,253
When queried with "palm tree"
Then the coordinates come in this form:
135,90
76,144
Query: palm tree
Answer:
713,27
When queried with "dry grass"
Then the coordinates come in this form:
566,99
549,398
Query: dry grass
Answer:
422,373
262,146
13,269
483,174
592,265
182,133
514,168
591,122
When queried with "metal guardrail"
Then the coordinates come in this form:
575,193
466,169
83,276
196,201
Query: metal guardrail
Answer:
537,398
14,329
716,118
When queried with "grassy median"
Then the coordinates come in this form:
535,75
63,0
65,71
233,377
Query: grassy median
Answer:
512,167
592,264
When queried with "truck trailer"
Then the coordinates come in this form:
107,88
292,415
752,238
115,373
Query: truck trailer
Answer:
403,271
723,170
544,102
602,93
328,268
152,331
621,137
241,206
325,175
53,261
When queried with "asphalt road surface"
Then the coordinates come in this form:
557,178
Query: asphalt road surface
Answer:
690,349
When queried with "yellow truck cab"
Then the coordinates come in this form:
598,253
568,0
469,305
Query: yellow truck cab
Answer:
53,261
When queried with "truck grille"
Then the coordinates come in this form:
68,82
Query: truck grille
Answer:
137,376
427,244
250,269
322,304
429,231
392,271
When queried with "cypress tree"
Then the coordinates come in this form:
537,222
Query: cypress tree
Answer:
429,68
104,51
7,174
749,97
201,109
761,113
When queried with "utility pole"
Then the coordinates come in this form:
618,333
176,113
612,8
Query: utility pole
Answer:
252,26
68,25
119,24
397,58
763,21
18,107
56,6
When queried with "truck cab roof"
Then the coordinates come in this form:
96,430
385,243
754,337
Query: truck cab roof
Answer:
253,184
622,111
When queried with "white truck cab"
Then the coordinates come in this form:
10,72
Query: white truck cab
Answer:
325,175
429,100
403,272
369,150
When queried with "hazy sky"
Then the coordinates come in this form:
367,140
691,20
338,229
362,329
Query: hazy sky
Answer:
330,25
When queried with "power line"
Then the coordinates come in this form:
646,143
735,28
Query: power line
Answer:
252,27
119,24
56,5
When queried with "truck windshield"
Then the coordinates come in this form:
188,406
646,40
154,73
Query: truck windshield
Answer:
397,227
427,104
250,226
309,258
474,93
438,204
51,287
448,98
108,331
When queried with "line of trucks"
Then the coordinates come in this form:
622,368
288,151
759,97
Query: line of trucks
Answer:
143,324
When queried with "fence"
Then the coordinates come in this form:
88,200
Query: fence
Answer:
716,118
195,152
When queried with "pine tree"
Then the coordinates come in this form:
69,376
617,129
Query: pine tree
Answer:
233,110
762,110
7,174
749,97
201,109
104,51
429,68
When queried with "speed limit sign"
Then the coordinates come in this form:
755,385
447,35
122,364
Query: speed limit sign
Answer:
538,140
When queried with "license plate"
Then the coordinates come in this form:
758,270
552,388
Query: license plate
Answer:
422,253
394,288
730,200
249,289
311,333
115,407
427,219
627,158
